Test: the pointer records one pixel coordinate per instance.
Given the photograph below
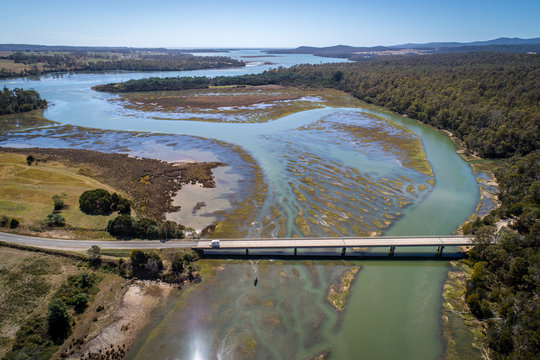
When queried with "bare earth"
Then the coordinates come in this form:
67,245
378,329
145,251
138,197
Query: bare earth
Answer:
109,333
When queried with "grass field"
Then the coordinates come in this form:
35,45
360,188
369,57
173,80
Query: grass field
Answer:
26,192
28,281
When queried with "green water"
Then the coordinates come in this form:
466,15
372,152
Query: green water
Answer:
394,309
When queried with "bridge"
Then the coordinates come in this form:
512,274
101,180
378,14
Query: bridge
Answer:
245,245
341,243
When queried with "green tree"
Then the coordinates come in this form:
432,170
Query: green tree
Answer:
80,302
121,226
95,202
59,321
58,201
95,255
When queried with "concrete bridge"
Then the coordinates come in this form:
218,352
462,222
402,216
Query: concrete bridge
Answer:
341,243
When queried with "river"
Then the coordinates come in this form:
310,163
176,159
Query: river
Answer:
320,179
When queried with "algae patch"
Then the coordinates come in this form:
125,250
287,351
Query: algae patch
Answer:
338,293
463,333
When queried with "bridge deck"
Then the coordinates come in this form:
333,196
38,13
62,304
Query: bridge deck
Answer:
339,242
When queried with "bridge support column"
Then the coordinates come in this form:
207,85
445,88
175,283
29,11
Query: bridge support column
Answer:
343,251
391,251
247,251
294,251
439,251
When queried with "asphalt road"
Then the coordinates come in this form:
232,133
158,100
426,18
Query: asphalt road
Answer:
59,244
238,243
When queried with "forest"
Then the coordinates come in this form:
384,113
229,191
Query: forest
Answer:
20,100
38,63
491,101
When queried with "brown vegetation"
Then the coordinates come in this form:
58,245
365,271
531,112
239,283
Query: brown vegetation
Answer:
149,183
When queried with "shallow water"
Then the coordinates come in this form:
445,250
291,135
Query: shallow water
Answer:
321,180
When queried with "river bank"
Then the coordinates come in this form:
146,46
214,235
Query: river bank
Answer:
116,318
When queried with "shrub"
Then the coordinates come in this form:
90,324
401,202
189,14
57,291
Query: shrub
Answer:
30,159
121,226
80,302
95,255
4,221
55,220
14,223
58,201
59,321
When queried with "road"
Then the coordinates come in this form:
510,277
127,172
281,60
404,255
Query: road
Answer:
240,243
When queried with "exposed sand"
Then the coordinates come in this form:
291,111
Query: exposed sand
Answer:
125,310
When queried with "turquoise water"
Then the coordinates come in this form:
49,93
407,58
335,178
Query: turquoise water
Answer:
316,172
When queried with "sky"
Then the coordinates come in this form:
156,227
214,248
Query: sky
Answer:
271,23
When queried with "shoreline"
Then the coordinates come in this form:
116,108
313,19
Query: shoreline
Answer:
119,314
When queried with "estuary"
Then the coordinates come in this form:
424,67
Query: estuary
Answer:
326,171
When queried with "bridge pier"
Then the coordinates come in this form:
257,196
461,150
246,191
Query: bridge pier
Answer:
439,251
343,251
391,251
295,251
247,251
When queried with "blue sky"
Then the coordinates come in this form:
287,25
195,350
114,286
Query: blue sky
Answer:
273,23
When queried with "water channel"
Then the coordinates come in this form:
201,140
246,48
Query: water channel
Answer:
321,181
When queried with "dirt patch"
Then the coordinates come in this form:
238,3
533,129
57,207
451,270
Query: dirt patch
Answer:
149,183
117,316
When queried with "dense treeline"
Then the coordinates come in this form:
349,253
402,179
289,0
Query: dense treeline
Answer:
20,100
505,283
40,63
155,83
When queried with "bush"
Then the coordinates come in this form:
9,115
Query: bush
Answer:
4,221
55,220
59,321
120,226
80,302
123,206
58,201
145,265
145,229
14,223
95,255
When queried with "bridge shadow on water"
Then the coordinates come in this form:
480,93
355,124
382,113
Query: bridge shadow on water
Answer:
327,255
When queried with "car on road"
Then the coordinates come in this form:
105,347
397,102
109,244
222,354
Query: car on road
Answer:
214,244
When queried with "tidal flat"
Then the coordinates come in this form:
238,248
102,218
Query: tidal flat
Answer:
235,104
287,306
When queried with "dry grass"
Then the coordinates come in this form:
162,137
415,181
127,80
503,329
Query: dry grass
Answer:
26,191
28,280
149,183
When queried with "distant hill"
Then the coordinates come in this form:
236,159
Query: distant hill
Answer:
510,45
97,49
499,41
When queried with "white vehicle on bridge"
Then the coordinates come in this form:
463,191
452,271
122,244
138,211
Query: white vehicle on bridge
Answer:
214,244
